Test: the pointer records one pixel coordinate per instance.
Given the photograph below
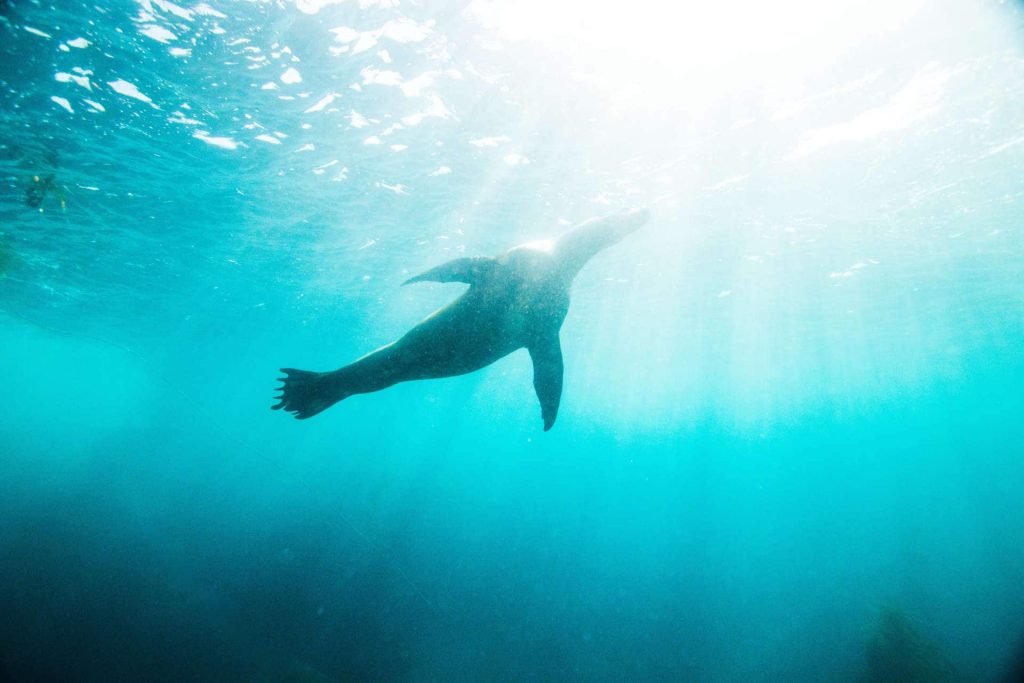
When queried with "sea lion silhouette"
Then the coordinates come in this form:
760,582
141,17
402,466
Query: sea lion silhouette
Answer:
515,300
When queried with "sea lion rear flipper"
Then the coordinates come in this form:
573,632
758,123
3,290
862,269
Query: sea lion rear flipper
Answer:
467,270
547,376
306,393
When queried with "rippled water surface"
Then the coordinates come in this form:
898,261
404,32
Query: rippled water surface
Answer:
790,442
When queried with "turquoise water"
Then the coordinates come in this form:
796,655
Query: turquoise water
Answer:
790,442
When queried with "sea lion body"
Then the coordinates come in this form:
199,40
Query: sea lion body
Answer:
516,300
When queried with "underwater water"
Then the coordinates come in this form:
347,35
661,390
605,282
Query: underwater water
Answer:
791,439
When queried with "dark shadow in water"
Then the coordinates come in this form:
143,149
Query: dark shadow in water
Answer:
898,652
1015,671
6,254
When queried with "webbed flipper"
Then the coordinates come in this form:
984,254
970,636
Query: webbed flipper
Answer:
305,393
547,376
467,269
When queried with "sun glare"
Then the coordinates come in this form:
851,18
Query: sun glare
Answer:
691,53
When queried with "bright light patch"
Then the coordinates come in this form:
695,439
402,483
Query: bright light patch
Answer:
181,119
691,53
415,86
222,142
918,100
123,87
63,77
207,11
323,102
377,76
397,188
344,34
157,33
37,32
435,109
314,6
493,141
406,30
320,170
171,8
62,102
401,30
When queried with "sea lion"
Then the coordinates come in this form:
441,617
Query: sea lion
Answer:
515,300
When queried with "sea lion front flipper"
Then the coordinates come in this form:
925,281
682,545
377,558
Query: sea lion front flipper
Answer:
579,245
467,269
547,376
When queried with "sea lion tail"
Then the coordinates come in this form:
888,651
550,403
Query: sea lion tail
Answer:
305,393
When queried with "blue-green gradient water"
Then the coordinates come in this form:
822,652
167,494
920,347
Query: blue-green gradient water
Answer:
791,436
